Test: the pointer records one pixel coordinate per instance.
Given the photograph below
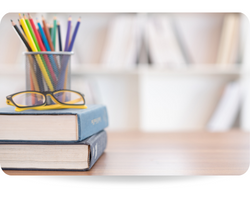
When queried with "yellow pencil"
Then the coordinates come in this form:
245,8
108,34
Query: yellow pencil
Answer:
33,75
34,49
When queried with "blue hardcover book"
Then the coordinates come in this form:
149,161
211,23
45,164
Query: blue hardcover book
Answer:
70,125
53,156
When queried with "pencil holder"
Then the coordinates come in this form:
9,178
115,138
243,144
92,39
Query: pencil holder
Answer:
48,71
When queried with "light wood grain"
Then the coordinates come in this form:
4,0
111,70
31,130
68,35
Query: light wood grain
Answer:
198,153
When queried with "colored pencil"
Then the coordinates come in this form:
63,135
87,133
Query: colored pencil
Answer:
37,36
21,36
74,35
70,30
47,47
29,49
46,30
50,31
65,59
38,58
32,30
49,41
42,48
22,29
43,36
59,36
20,25
36,82
68,35
54,33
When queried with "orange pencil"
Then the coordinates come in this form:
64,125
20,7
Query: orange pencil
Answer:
46,30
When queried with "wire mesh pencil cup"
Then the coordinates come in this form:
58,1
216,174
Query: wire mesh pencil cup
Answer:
48,71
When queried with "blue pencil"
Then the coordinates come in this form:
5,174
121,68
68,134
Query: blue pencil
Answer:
65,59
46,44
74,35
45,41
67,36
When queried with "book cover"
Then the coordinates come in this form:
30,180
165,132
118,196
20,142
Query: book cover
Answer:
52,125
62,156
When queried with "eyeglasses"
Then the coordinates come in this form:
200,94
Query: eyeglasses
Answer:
37,100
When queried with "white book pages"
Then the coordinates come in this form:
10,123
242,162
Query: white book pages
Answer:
227,109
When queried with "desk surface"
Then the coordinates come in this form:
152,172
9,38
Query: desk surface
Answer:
135,153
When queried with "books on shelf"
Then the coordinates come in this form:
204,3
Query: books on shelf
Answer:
66,139
52,125
53,156
163,46
121,48
229,40
171,41
199,35
227,109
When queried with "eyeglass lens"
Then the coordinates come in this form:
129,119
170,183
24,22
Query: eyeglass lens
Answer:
28,99
69,97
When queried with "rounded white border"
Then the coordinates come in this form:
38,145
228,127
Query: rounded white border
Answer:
210,187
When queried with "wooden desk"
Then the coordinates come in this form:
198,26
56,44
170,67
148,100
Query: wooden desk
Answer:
201,153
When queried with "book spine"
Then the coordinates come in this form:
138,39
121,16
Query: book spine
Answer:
98,143
92,122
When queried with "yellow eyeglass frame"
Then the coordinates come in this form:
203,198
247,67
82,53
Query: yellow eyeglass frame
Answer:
44,106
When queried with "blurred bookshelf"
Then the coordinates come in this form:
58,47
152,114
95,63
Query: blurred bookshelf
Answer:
156,72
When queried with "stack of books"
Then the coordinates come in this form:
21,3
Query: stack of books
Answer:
66,139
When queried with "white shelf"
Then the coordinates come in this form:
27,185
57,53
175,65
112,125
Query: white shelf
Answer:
155,70
138,70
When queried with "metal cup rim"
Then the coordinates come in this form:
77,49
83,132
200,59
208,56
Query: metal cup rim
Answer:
49,52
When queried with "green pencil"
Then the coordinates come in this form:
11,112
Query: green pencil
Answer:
31,32
36,44
54,33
